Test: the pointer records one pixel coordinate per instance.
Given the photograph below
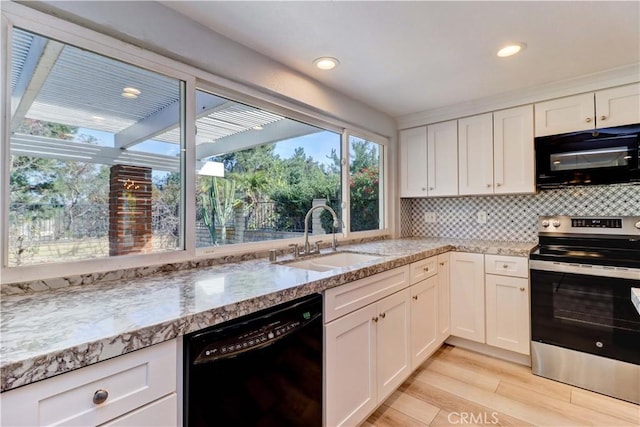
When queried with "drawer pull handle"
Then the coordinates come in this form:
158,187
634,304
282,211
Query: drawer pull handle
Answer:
375,319
383,315
521,289
426,269
442,263
100,396
415,297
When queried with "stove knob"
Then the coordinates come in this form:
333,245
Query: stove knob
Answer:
545,223
638,224
556,223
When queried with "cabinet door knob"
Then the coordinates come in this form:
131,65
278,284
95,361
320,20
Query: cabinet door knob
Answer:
488,185
505,266
383,315
431,188
415,297
498,185
375,319
424,189
426,269
100,396
442,263
603,117
521,289
588,120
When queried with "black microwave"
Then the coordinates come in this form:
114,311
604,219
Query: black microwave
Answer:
602,156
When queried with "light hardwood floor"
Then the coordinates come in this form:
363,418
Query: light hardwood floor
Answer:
457,387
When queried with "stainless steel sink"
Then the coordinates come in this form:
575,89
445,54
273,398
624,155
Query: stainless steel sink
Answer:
332,261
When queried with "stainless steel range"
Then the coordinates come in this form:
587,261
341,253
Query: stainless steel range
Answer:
585,330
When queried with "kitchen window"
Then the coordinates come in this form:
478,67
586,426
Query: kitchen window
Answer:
101,169
95,156
259,173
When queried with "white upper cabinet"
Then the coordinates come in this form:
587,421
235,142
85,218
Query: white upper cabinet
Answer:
413,162
513,151
605,108
475,154
442,159
429,160
618,106
570,114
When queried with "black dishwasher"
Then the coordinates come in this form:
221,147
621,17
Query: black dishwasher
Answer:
264,369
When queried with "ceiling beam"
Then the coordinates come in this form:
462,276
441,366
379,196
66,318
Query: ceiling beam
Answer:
42,56
273,132
66,150
164,120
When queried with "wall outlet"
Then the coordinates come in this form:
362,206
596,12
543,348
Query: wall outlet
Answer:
481,217
430,217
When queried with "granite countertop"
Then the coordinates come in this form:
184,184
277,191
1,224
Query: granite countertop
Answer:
635,298
47,333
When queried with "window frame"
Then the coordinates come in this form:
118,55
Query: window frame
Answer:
15,15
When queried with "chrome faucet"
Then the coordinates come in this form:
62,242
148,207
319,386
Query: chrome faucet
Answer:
336,223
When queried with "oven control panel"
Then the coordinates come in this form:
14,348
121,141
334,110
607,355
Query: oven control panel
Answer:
620,225
596,222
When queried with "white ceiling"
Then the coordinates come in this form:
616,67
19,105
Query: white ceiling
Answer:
408,57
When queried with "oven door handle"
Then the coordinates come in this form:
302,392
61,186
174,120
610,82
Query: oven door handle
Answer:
586,269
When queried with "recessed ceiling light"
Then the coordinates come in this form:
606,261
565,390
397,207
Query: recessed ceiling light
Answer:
511,49
258,127
326,63
129,95
131,90
97,118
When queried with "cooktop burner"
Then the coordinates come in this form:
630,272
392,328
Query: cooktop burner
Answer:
613,241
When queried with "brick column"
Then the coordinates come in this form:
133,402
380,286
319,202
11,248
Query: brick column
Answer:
130,210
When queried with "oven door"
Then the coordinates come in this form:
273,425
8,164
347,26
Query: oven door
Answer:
585,312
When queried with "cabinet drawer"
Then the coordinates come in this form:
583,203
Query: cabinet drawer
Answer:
506,265
132,380
344,299
424,269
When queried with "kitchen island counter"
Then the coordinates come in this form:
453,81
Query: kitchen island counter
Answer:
54,331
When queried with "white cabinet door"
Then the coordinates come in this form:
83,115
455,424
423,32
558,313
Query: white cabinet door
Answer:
443,297
394,363
413,162
513,151
350,374
618,106
467,296
130,381
162,412
570,114
475,155
424,320
507,306
442,159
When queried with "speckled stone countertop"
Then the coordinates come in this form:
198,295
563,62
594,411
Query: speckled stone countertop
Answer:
48,333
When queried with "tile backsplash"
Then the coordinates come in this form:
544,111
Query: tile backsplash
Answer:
513,217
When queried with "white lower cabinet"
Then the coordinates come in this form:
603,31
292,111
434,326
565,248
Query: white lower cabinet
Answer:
424,320
467,296
367,358
162,412
444,298
138,388
507,303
